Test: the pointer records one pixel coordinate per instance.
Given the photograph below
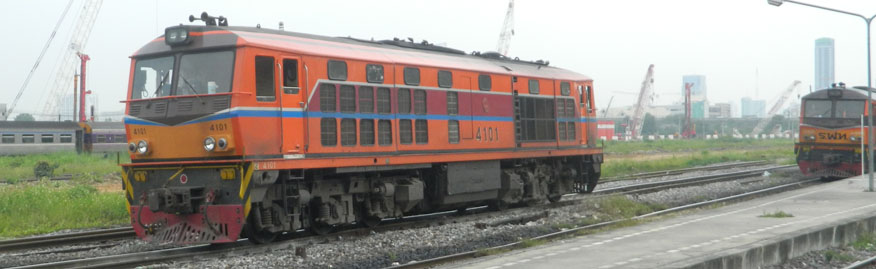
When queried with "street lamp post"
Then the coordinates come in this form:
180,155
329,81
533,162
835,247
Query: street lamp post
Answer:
869,78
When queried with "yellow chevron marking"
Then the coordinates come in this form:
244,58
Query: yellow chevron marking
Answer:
244,184
246,208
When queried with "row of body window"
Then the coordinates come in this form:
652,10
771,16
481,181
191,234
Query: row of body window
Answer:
329,94
346,95
61,138
32,138
409,131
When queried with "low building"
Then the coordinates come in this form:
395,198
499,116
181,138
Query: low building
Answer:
605,129
720,111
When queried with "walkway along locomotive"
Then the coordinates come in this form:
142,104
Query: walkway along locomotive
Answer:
830,132
238,129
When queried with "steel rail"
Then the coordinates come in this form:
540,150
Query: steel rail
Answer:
48,240
659,185
681,171
862,264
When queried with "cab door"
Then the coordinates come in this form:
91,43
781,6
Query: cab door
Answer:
264,114
291,105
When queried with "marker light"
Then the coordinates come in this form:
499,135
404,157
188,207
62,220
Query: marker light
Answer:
209,144
132,147
222,143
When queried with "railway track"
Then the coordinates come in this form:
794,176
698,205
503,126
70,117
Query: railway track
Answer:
682,182
682,171
63,239
867,263
296,240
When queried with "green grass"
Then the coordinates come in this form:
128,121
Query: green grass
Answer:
830,255
614,207
865,242
777,214
87,167
43,207
624,166
617,207
626,147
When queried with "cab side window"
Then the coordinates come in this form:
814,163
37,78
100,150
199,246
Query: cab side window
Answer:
264,77
290,76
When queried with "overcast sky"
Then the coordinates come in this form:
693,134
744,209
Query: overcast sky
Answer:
612,41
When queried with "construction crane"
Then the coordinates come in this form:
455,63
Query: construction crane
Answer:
645,98
62,81
775,108
688,129
605,112
5,114
507,31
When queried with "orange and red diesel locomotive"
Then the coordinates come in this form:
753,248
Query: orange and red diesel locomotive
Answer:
831,136
248,132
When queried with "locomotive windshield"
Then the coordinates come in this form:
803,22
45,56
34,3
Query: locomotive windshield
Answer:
152,77
199,73
205,73
844,109
848,109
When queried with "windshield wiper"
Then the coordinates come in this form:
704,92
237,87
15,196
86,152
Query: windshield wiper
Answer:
163,80
192,88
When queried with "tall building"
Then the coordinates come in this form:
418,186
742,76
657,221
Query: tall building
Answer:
699,102
752,108
824,66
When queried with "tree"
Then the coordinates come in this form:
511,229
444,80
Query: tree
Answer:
649,125
24,117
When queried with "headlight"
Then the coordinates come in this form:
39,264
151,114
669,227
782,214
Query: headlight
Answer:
176,36
142,147
132,147
809,137
209,143
222,143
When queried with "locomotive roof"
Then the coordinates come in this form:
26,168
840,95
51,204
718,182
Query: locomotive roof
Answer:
847,93
397,52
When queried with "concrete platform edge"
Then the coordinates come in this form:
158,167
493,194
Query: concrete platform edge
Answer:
772,252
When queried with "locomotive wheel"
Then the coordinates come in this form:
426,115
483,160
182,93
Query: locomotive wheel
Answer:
259,237
321,228
371,221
